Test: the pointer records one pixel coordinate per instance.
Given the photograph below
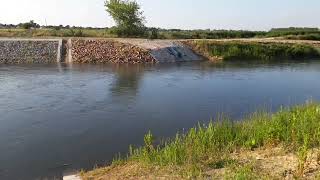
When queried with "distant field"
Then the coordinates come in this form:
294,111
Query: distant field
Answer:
289,33
55,33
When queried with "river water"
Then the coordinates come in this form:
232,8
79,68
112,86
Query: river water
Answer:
58,118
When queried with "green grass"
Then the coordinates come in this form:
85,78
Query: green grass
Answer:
209,145
246,172
235,50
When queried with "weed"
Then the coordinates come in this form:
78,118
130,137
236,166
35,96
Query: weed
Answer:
243,172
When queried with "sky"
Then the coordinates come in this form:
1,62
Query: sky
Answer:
182,14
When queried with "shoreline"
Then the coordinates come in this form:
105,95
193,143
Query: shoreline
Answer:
122,50
249,149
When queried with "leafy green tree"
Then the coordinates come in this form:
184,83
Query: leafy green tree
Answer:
128,16
29,25
154,33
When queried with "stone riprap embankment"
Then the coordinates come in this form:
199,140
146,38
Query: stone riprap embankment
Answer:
107,51
13,51
85,50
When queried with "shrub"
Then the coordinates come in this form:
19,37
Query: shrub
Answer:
29,25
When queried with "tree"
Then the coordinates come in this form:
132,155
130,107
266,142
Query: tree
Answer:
128,17
154,33
29,25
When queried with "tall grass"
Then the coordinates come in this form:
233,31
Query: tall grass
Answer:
297,128
235,50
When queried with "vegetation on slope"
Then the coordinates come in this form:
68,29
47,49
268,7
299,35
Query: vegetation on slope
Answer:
313,37
281,32
295,33
212,146
236,50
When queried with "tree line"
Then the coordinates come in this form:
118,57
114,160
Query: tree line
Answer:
130,22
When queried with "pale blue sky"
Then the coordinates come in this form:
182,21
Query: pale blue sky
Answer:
184,14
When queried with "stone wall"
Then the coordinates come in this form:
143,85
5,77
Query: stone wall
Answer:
14,51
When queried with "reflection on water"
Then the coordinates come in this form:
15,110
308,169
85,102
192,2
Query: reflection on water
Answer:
59,118
127,79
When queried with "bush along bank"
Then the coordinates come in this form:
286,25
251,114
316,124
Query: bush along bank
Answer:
236,50
108,51
248,149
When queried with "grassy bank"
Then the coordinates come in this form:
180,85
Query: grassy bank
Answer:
222,149
236,50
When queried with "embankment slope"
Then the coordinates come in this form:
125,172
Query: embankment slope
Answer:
91,50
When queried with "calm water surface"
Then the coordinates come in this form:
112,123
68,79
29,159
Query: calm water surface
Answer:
59,118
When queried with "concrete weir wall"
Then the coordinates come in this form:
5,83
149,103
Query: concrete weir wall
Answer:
14,51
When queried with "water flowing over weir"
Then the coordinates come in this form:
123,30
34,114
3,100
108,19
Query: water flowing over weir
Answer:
166,50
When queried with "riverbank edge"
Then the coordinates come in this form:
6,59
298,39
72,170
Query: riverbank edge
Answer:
138,50
254,50
288,140
164,51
